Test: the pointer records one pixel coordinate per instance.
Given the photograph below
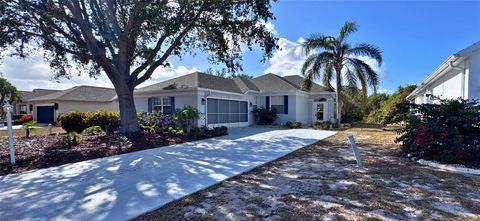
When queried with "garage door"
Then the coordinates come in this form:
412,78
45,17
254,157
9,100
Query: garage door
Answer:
230,113
45,114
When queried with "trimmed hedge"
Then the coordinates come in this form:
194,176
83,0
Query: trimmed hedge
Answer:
78,121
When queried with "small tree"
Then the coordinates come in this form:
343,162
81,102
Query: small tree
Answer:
8,92
127,40
186,115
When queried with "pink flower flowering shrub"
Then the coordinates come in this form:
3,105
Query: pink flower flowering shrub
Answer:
448,132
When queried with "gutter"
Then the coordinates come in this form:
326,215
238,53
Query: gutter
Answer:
445,67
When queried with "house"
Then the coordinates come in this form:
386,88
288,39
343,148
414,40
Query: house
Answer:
457,77
230,102
23,106
46,105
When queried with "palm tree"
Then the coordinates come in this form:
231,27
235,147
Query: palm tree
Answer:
333,54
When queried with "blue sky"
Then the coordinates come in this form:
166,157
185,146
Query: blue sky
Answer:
415,37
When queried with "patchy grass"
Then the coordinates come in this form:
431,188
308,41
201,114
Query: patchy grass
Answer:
321,182
38,131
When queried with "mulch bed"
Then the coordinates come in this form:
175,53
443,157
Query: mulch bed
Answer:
45,151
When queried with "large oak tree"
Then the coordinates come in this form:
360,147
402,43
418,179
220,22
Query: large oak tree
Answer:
128,39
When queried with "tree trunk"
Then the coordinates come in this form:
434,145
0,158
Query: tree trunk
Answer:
338,92
128,113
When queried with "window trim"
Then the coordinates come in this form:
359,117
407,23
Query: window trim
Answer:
283,105
162,104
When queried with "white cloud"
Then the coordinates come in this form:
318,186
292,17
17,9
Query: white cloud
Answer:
384,90
288,59
382,71
34,72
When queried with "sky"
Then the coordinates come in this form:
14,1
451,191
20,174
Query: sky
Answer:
415,38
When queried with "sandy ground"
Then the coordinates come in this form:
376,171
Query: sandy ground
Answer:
321,182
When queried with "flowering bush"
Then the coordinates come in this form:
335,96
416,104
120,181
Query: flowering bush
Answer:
265,116
448,132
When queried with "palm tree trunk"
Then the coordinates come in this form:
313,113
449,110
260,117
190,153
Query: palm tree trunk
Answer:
338,93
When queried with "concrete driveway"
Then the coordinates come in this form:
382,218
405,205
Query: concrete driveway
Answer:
125,186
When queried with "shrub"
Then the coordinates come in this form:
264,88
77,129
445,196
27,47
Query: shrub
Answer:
322,125
78,121
265,116
154,122
73,121
25,118
93,130
175,132
448,132
220,131
383,114
29,127
293,125
107,120
70,139
197,133
186,116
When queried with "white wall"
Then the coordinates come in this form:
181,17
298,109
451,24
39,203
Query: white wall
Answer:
473,84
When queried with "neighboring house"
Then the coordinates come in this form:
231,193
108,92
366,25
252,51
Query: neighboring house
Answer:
24,107
46,105
457,77
230,102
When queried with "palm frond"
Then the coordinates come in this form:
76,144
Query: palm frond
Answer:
370,76
363,82
307,63
318,41
328,76
313,66
346,30
351,78
367,50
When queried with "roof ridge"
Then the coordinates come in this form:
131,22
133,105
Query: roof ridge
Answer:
284,79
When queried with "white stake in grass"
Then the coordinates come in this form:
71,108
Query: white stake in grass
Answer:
8,110
355,151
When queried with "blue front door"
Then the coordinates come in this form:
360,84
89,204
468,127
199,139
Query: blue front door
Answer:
45,114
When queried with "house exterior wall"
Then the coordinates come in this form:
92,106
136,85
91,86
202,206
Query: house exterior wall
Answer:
460,81
473,84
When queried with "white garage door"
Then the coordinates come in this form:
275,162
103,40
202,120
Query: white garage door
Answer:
230,113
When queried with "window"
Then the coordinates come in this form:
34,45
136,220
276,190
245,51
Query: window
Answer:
162,104
220,111
22,109
277,103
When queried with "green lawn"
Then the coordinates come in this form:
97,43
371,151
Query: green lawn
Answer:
37,131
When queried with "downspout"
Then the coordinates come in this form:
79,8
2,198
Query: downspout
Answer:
206,94
462,69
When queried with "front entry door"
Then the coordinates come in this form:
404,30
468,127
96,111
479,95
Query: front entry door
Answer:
319,113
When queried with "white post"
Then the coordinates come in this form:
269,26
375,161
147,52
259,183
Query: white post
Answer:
355,151
49,129
8,109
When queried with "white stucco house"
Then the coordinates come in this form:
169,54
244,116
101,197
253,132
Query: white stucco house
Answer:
230,102
457,77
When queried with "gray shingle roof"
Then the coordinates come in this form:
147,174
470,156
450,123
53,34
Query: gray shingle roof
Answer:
297,81
264,83
80,93
28,95
273,83
245,84
193,81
